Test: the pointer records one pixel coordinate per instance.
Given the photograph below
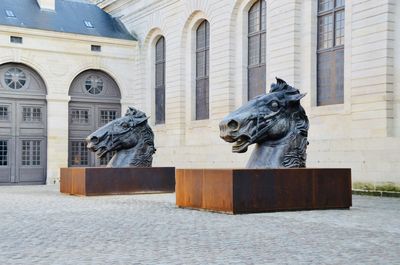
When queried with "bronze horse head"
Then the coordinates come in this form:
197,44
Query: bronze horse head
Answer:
129,136
275,122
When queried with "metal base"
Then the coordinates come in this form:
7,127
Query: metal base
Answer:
107,181
238,191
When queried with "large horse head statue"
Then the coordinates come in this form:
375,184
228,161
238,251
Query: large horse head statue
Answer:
276,123
130,136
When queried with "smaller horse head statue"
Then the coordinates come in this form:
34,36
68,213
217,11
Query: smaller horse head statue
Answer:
129,136
276,123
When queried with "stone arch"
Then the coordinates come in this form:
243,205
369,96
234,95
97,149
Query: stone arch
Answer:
34,85
23,125
238,43
188,44
148,61
94,85
95,101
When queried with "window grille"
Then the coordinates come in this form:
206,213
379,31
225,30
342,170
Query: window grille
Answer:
30,153
330,53
3,153
160,80
202,70
4,114
15,78
79,116
79,154
256,75
107,115
31,114
94,84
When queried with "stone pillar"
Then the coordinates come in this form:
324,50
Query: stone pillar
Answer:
372,59
57,136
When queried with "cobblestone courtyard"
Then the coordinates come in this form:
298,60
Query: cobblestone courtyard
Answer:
41,226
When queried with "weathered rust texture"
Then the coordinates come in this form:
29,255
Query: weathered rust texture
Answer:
238,191
105,181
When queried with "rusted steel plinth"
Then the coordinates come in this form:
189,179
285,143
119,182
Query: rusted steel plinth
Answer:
106,181
238,191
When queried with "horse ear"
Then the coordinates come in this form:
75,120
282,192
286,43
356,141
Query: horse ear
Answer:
280,81
296,97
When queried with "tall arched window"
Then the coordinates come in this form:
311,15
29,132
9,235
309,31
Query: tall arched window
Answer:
202,66
160,81
330,53
256,74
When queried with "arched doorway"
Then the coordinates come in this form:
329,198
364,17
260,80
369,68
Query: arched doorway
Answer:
95,101
23,125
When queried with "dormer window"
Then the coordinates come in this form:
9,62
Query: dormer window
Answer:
88,24
9,13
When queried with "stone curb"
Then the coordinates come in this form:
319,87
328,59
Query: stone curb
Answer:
376,193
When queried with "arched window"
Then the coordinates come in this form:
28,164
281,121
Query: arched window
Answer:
330,53
160,80
256,74
202,66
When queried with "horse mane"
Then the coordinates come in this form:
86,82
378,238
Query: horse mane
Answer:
146,147
296,157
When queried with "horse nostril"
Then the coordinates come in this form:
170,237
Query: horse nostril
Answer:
94,140
233,125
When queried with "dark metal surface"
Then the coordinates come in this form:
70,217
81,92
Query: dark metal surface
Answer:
68,17
104,181
276,123
263,190
129,136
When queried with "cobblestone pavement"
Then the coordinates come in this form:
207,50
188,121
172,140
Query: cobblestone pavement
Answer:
38,225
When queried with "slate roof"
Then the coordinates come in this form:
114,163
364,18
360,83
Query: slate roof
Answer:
69,17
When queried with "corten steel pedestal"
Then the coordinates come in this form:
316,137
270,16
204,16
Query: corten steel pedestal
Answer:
238,191
107,181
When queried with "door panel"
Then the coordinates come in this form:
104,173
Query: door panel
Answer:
23,120
31,160
85,118
7,142
5,167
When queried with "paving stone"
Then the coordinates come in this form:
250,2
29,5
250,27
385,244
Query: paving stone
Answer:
39,225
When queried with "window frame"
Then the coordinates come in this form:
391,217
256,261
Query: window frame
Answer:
334,49
159,120
205,52
332,11
260,32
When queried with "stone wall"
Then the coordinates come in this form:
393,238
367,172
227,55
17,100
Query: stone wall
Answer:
59,58
362,133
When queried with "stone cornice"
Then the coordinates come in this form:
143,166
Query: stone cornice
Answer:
68,36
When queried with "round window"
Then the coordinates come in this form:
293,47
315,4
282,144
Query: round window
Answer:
15,78
94,84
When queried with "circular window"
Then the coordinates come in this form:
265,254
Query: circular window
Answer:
15,78
94,84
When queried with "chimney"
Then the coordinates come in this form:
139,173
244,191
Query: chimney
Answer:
48,5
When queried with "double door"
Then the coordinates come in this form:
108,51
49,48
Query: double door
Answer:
85,118
23,141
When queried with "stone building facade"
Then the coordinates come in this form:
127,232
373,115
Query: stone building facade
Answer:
356,124
51,64
360,130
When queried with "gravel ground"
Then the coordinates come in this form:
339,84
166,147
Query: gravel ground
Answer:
38,225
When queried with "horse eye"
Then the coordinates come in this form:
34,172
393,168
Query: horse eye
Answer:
125,125
274,105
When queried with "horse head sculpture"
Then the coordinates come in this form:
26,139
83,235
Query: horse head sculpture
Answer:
130,136
276,123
